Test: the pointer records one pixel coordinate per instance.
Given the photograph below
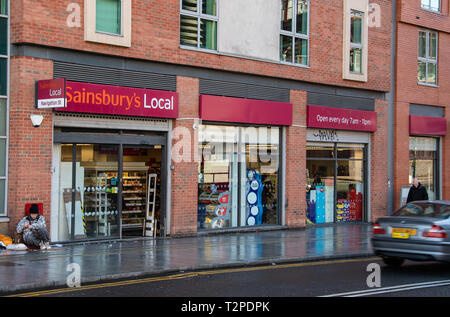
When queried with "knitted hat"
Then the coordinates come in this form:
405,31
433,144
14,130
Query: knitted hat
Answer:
34,209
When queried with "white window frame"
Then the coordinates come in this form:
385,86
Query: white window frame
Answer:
294,35
426,59
90,29
199,16
363,7
428,7
3,216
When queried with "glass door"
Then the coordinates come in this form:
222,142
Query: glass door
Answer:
320,170
89,191
350,182
336,182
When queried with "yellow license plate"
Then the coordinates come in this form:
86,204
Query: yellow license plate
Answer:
403,233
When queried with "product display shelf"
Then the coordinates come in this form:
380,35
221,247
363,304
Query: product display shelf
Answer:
134,198
99,203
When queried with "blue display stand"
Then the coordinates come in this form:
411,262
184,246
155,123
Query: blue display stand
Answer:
254,198
320,204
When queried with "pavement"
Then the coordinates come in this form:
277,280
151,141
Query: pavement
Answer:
127,258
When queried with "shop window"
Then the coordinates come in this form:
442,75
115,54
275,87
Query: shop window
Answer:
335,182
108,22
198,24
427,60
238,185
294,37
432,5
108,16
355,54
424,163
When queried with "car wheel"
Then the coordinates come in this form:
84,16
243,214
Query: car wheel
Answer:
395,262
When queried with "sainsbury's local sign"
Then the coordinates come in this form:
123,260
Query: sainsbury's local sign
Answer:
117,100
51,93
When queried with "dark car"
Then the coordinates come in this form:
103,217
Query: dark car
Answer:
419,231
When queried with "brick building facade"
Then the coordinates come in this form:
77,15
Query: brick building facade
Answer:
417,99
47,43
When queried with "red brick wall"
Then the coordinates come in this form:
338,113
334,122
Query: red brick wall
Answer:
411,12
155,36
30,149
185,175
296,162
409,91
401,152
378,163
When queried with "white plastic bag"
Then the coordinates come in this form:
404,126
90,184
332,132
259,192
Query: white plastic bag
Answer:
17,247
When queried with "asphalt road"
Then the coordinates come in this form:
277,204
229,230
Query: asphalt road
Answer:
348,277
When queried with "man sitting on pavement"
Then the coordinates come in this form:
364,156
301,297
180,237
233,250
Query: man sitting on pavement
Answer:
33,229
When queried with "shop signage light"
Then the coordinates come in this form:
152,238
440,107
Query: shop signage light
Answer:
51,93
116,100
240,110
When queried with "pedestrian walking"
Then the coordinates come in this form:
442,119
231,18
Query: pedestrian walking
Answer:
417,192
33,229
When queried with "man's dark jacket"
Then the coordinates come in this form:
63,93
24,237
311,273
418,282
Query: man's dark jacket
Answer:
417,193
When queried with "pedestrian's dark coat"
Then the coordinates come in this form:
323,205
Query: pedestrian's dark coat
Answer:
417,193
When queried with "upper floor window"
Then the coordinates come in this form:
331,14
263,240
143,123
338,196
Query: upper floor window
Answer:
433,5
198,23
108,16
3,7
294,37
356,44
108,22
427,60
355,40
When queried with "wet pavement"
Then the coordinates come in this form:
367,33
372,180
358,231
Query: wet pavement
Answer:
26,270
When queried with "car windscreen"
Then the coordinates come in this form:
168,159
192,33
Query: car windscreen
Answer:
434,210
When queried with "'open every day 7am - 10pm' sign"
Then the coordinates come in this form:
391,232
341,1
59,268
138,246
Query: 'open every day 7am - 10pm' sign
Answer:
341,119
116,100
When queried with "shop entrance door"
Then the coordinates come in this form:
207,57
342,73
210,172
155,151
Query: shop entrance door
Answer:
141,191
336,182
105,183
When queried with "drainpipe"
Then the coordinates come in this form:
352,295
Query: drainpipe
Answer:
390,96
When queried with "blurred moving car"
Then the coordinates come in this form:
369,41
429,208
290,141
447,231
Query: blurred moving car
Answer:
419,231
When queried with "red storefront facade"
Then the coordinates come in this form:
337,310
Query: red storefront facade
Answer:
255,110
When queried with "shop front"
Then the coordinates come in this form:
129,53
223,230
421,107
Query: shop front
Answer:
240,162
424,152
337,164
110,162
